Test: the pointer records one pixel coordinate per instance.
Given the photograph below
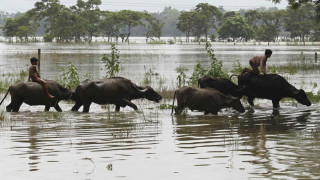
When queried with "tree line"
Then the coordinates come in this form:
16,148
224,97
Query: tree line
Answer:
83,21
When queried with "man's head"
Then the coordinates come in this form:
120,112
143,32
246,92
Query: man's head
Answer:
34,60
268,53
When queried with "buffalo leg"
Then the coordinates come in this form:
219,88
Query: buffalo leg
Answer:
16,107
58,108
76,106
250,101
47,108
178,110
117,107
86,107
128,103
10,107
275,103
13,105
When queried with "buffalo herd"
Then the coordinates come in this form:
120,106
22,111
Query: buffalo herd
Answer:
211,96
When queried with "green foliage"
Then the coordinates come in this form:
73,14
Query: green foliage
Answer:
198,72
148,76
237,68
165,106
48,37
69,76
212,37
235,27
130,19
8,79
185,23
112,64
22,27
270,26
181,79
298,22
214,70
206,18
314,98
154,27
156,41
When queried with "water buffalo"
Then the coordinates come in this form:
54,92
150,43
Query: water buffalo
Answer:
32,93
223,85
208,100
116,90
271,86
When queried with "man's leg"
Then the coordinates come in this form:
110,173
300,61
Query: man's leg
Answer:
45,85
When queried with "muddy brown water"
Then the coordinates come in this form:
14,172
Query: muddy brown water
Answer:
262,143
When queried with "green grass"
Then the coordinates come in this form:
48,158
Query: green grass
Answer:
11,78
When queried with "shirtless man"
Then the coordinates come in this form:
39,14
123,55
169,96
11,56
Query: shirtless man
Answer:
35,77
257,61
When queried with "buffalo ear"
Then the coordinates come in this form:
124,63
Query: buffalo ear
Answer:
231,99
297,92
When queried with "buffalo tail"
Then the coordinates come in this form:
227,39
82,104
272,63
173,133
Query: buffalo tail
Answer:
5,95
174,97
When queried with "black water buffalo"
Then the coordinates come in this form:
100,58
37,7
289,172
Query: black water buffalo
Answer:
116,90
271,86
32,93
223,85
208,100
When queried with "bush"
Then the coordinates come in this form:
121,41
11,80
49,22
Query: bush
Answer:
112,64
48,37
69,76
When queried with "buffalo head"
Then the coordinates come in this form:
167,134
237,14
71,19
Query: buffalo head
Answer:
151,95
301,97
235,103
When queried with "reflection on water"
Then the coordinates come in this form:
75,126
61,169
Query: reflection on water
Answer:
262,143
150,143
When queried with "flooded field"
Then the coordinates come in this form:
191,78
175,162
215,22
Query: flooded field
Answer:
149,143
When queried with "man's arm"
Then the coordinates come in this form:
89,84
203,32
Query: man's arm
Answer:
36,71
263,66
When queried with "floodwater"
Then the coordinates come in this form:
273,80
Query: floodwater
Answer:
149,143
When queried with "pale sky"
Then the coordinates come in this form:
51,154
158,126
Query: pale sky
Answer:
12,6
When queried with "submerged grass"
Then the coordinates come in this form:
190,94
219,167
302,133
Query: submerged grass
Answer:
11,78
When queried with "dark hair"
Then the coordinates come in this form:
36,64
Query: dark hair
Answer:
33,59
268,51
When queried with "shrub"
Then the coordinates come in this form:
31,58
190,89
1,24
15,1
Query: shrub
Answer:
112,64
69,76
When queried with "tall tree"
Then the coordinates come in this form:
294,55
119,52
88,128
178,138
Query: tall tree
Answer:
10,28
89,13
253,16
210,15
271,22
299,22
129,20
58,19
185,23
22,27
110,24
154,27
235,27
295,4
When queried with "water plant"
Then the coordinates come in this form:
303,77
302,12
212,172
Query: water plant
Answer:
155,41
148,75
237,68
181,78
112,63
69,76
214,70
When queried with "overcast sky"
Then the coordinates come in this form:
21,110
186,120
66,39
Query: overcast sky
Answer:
12,6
